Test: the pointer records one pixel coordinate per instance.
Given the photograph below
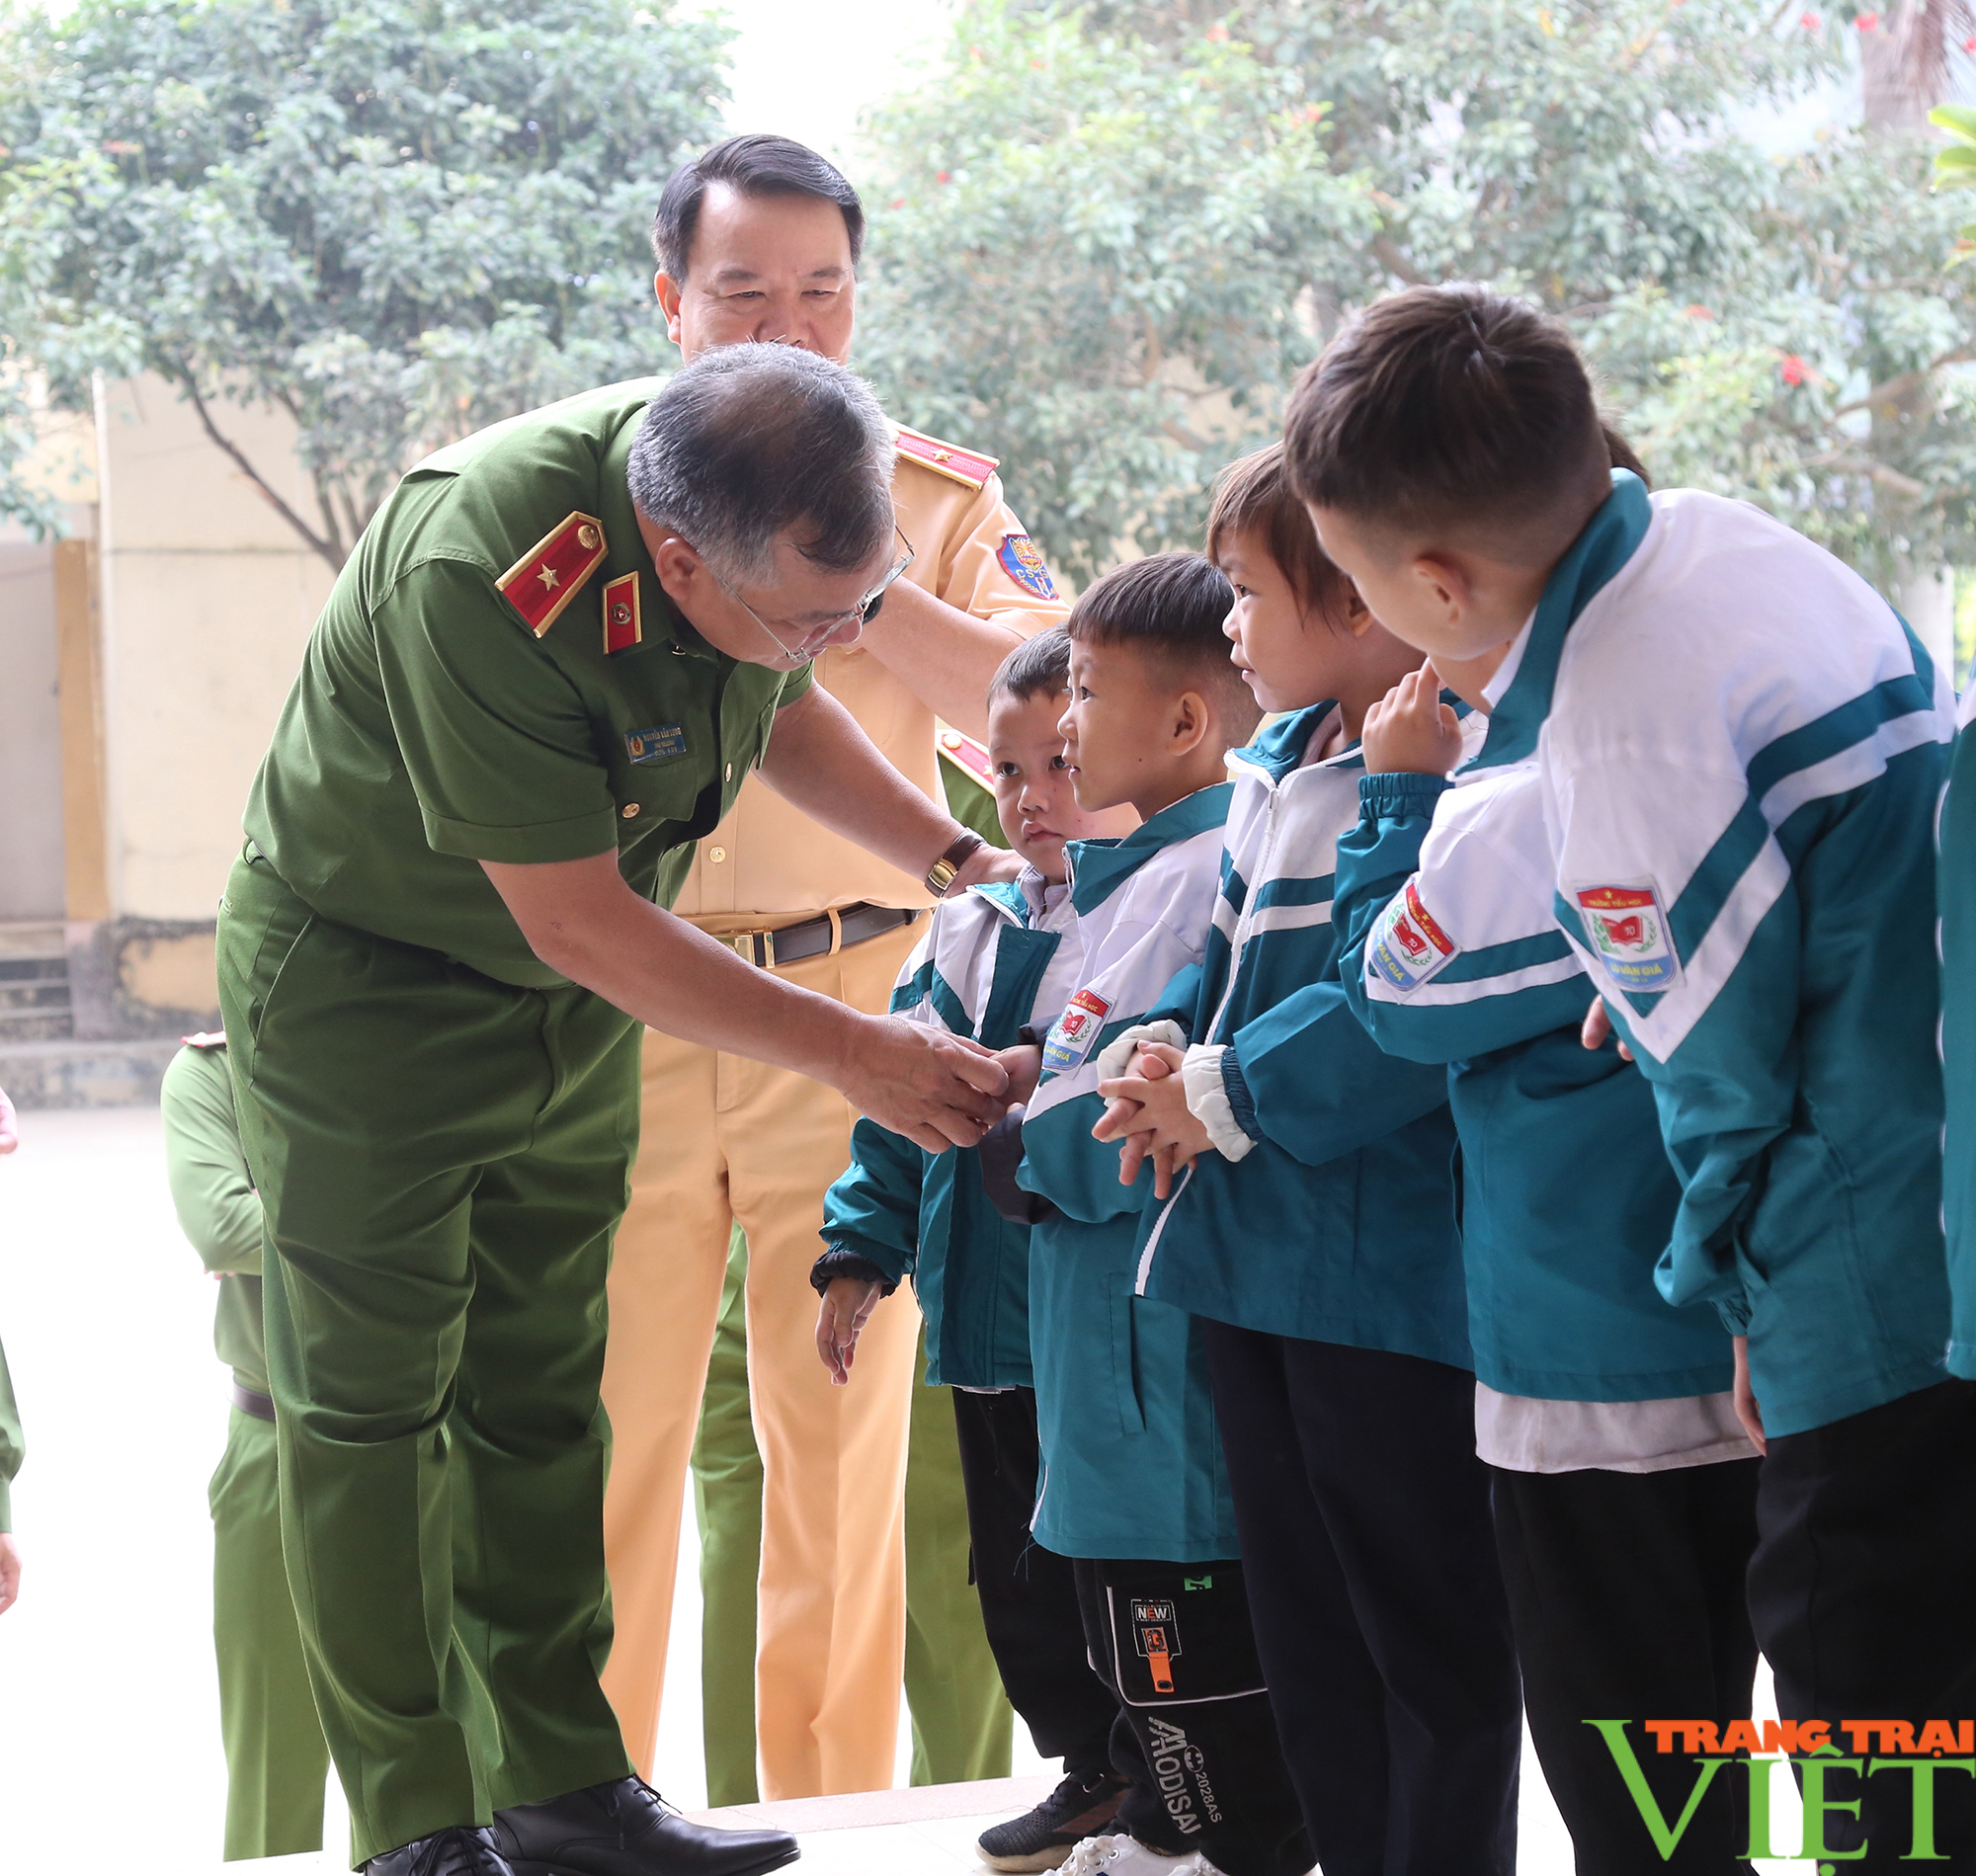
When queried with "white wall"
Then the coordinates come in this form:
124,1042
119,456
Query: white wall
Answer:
31,800
207,596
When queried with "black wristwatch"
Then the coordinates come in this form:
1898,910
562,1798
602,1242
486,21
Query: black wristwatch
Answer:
940,875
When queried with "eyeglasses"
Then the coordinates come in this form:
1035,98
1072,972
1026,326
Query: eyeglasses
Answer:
817,638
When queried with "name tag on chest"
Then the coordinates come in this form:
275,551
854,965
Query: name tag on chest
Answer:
662,744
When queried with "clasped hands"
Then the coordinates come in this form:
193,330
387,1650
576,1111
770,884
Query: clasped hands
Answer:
1146,1111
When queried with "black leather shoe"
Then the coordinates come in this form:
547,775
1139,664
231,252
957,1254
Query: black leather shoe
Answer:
460,1851
626,1829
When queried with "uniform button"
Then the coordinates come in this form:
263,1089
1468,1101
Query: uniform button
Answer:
730,776
630,810
589,537
716,853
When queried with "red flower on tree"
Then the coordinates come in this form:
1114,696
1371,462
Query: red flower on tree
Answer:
1794,370
1809,21
1866,21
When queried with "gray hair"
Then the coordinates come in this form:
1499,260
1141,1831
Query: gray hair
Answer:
750,442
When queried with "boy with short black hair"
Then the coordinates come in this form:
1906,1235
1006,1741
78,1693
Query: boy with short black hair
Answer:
1135,1485
1312,1233
1740,748
993,960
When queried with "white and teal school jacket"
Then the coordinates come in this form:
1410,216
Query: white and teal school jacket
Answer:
1326,1211
1131,1458
1957,884
1450,952
1742,748
994,960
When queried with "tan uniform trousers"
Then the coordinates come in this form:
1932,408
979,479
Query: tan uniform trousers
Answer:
730,1139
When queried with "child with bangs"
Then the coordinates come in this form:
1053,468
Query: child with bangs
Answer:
1304,1215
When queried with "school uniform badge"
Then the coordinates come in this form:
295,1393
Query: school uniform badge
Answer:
1626,930
1023,561
1072,1035
1409,948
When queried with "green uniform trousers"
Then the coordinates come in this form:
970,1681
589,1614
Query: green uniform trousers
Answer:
441,1159
963,1723
276,1756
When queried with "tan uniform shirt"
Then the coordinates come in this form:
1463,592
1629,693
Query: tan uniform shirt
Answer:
767,863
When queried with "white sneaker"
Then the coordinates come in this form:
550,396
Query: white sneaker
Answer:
1123,1855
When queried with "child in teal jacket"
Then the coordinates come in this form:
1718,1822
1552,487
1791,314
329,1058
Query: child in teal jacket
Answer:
1311,1231
1134,1488
1741,751
993,960
1623,1486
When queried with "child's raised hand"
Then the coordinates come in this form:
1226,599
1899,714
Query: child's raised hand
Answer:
1410,731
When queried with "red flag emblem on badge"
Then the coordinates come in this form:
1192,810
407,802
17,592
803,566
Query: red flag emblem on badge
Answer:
1626,932
1070,1041
1409,947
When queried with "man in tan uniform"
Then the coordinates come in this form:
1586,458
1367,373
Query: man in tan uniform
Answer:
759,239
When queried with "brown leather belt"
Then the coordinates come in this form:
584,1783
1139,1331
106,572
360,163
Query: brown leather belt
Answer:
261,1406
818,938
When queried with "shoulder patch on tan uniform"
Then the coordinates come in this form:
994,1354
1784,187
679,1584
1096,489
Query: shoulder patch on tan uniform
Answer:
552,572
965,753
946,458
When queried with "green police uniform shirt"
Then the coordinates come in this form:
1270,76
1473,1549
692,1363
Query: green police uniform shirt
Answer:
497,675
213,1193
12,1447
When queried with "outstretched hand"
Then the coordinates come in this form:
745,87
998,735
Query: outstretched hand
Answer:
1410,731
935,1089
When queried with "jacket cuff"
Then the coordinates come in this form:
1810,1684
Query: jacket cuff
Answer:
1207,1098
1116,1057
836,1263
1395,795
1733,1312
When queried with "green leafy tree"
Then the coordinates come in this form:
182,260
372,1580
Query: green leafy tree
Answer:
394,219
1778,328
1089,260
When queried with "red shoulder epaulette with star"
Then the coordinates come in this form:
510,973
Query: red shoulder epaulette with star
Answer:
552,572
965,753
946,458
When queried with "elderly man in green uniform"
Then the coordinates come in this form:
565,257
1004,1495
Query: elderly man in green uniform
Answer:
543,675
276,1756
